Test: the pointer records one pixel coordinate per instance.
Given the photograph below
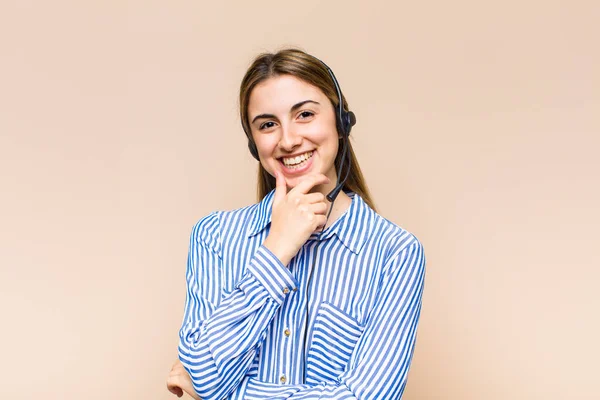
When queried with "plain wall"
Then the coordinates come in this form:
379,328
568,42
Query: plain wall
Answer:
478,131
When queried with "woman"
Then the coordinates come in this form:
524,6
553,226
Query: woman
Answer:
309,293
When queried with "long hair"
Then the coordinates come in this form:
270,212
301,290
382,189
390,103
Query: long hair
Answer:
312,71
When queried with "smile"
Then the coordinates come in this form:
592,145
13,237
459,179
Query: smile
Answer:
298,161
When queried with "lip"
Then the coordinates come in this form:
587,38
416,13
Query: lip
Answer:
294,155
297,171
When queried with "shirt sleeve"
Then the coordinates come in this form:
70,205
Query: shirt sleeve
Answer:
379,364
219,336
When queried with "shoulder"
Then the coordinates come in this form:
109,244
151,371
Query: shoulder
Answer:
400,238
211,228
404,254
397,243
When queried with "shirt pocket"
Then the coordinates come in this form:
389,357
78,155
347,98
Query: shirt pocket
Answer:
334,337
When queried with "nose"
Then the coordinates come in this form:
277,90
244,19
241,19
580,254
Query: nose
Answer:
290,139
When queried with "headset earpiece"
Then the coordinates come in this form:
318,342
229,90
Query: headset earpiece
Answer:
346,121
351,120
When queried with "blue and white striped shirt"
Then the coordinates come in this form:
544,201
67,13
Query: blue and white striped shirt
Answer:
242,335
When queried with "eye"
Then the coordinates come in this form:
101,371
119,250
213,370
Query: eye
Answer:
266,125
306,114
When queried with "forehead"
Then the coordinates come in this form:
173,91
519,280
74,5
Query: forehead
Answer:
281,93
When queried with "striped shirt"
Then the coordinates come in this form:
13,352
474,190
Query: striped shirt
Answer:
243,330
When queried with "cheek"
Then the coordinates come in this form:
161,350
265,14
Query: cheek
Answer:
321,134
265,144
327,140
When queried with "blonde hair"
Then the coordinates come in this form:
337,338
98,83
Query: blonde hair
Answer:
311,70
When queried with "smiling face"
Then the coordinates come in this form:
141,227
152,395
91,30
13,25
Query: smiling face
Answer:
293,125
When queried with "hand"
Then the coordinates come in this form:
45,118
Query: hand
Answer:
295,215
179,381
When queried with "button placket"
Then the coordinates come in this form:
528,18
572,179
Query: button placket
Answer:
291,303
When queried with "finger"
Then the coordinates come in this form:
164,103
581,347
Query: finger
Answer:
309,182
318,208
174,387
172,382
176,391
280,188
316,197
320,221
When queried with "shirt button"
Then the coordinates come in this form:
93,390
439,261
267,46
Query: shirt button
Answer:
286,290
282,379
287,332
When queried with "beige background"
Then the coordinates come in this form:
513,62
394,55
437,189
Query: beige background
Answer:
478,130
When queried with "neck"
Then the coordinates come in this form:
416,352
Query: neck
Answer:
340,205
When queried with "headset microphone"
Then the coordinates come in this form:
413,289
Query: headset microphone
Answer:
345,152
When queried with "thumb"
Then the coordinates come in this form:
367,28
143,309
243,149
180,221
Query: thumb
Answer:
280,187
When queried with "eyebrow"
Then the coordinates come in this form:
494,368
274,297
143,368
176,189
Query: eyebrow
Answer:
294,108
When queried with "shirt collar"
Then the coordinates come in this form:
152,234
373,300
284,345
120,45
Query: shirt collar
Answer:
261,215
351,228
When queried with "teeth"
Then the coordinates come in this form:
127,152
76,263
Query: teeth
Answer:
298,159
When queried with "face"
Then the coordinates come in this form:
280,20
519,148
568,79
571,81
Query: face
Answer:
294,128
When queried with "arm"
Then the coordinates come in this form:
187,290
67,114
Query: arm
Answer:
219,338
379,364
